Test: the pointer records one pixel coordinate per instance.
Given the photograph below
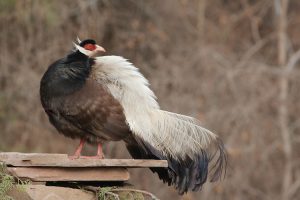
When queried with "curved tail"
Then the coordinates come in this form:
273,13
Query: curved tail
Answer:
193,152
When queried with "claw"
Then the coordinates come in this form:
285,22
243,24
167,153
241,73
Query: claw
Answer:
78,150
74,157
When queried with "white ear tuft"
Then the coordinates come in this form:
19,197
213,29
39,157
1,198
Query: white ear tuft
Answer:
83,50
78,40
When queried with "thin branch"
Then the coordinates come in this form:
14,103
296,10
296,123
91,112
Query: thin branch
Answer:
253,50
294,188
293,61
113,194
201,18
283,115
140,191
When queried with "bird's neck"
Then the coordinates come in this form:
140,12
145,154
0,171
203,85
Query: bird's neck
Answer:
67,75
77,56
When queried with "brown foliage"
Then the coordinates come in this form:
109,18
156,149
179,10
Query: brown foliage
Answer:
217,60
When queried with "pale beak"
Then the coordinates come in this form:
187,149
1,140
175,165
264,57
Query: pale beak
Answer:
99,49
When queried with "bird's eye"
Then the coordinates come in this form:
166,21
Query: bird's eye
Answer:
90,47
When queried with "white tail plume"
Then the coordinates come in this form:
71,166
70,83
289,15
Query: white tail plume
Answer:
188,147
178,135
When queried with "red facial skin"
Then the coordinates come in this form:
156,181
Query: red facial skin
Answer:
90,47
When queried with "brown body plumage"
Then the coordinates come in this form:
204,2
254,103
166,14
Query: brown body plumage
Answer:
97,116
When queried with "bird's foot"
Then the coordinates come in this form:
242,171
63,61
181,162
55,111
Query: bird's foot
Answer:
93,157
78,150
74,157
77,154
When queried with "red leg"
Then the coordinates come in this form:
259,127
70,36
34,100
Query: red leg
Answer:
99,153
78,150
77,153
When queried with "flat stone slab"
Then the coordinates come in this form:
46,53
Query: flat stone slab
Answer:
62,160
44,174
41,192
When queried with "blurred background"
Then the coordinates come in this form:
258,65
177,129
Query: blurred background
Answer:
232,64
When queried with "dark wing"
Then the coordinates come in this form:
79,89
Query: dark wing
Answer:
96,112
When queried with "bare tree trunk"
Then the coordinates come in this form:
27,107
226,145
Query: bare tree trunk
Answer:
283,97
201,21
201,18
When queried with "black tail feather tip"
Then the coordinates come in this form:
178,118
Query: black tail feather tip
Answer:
191,174
187,174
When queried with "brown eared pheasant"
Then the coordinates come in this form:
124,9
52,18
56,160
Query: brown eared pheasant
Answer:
106,98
